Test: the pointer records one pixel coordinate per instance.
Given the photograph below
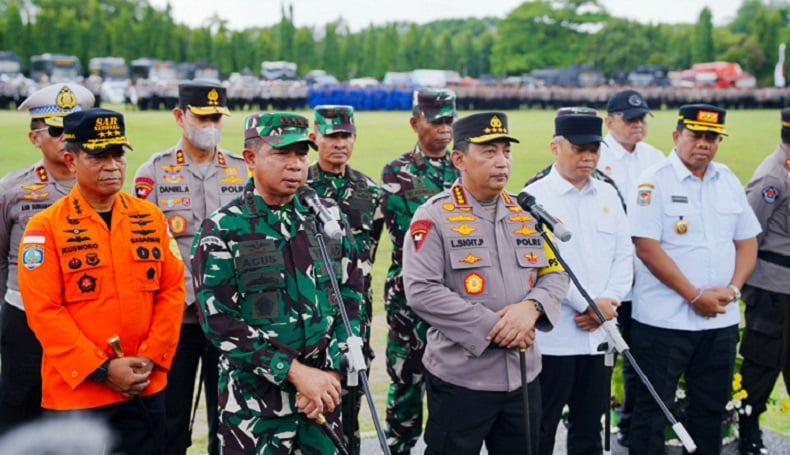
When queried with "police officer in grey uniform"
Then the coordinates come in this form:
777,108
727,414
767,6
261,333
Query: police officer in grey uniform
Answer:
23,193
188,182
476,270
766,341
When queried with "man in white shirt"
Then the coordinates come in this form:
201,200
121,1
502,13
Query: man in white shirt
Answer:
600,253
624,155
695,233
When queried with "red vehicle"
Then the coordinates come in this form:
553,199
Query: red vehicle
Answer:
713,75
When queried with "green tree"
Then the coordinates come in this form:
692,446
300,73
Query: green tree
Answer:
305,50
411,47
15,37
330,50
702,47
621,45
544,33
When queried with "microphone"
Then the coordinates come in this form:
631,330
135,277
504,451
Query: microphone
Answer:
309,197
528,203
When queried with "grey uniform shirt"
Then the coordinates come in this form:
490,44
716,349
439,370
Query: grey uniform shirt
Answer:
23,193
768,192
187,193
461,266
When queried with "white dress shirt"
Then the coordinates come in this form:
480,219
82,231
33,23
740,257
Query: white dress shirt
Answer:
599,253
716,212
624,167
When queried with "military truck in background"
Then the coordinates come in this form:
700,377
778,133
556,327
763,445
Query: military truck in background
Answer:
112,75
154,84
14,86
278,70
49,68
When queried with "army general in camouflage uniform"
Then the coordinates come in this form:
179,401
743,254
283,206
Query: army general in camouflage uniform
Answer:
23,193
359,198
263,295
408,181
188,181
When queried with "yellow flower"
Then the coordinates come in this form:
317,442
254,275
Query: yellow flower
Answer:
786,406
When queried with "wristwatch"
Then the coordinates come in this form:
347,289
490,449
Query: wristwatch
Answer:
539,307
100,374
737,292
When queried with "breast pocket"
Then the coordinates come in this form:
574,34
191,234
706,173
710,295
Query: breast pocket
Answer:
146,268
727,219
83,275
471,268
682,225
260,274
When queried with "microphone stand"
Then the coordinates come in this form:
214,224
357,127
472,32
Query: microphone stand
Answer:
522,354
356,360
608,361
619,344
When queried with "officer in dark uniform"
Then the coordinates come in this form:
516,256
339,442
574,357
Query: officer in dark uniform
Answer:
766,341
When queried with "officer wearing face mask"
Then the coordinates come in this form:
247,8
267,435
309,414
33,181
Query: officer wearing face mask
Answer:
188,182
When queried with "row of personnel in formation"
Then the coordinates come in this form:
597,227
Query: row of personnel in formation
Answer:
101,314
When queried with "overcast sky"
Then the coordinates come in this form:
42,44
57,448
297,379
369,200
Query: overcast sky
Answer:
361,13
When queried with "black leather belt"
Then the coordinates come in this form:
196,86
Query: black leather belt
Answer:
774,258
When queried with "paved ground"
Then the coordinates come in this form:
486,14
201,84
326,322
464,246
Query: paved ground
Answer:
776,444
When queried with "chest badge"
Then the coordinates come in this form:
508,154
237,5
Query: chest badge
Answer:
471,259
474,283
681,226
464,229
87,283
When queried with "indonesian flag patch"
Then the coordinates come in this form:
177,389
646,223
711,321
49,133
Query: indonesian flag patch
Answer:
419,229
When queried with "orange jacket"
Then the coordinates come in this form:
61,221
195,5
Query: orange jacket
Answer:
82,283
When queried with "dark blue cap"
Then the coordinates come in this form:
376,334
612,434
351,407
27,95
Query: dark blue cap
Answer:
579,129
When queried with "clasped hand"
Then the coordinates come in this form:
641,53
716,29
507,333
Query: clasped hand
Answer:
318,391
516,326
129,376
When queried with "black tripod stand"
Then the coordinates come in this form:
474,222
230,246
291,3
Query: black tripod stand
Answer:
619,344
356,371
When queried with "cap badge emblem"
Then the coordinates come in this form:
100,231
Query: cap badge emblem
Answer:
66,99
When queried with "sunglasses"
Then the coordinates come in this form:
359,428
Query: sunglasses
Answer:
54,131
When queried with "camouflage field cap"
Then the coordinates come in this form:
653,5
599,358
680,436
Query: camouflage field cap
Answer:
203,97
702,117
278,129
481,128
331,119
55,101
434,103
95,130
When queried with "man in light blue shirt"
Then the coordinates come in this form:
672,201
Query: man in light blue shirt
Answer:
695,234
600,253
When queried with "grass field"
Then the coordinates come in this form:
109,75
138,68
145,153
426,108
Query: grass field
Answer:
382,136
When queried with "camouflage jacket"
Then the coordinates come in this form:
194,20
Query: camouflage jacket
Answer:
408,181
359,198
263,298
